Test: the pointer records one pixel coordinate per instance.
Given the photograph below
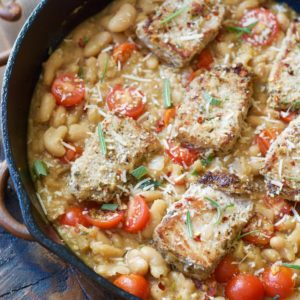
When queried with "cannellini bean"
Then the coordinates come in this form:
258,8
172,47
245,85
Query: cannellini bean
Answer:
106,250
59,116
158,266
52,140
271,255
157,212
123,19
77,132
109,270
136,262
97,43
91,70
283,20
152,62
277,243
48,104
54,62
150,196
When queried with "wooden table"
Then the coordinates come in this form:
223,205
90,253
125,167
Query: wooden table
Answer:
27,270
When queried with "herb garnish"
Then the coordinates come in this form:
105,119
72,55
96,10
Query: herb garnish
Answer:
80,73
189,224
104,70
242,30
217,206
167,94
297,179
207,161
109,206
101,140
277,297
291,266
40,168
173,15
149,182
139,172
247,233
211,100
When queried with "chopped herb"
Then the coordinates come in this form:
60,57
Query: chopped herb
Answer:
104,70
139,172
80,73
149,182
242,30
40,168
195,172
167,94
174,15
109,206
247,233
298,46
85,40
101,140
207,161
277,297
291,266
217,206
189,224
211,100
229,206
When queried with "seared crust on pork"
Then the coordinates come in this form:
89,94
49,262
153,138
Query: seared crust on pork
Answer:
284,81
226,182
282,164
214,109
99,177
178,40
212,233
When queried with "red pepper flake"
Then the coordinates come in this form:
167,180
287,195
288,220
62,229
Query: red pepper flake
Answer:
159,126
200,120
161,286
197,238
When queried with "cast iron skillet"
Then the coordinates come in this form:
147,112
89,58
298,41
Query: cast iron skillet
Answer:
44,29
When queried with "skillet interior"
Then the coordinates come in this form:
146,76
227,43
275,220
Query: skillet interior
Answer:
45,28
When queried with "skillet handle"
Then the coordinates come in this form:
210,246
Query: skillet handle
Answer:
7,221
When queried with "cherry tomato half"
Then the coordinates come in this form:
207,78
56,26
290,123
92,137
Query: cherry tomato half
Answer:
104,219
71,154
205,59
68,90
278,280
262,228
226,270
74,216
123,52
138,215
134,284
266,29
181,155
265,139
287,117
126,102
279,206
245,287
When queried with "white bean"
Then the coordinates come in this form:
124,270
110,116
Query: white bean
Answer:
97,43
123,19
77,132
48,104
54,62
136,262
52,140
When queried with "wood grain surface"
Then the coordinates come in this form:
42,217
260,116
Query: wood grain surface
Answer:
27,270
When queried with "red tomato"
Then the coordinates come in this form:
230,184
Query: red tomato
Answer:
181,155
265,139
74,216
68,90
287,117
279,206
245,287
126,102
134,284
71,155
264,228
266,29
205,59
138,215
123,52
226,270
104,219
279,281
